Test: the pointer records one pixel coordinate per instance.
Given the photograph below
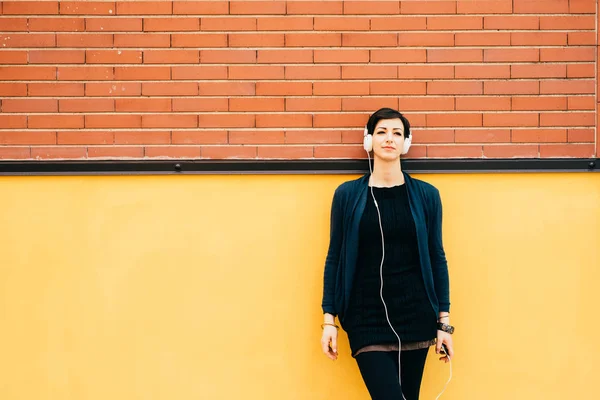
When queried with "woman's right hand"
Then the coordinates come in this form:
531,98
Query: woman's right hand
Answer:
329,341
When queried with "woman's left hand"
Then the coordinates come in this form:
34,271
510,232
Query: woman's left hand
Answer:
444,338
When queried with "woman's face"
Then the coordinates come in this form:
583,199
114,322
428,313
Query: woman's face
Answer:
388,139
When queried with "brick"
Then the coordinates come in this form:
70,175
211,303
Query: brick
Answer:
398,23
114,121
454,151
256,137
538,38
511,151
580,70
353,136
285,56
55,89
541,6
172,151
257,7
29,105
539,135
171,56
256,39
343,88
171,24
226,89
341,23
539,103
426,103
15,40
341,56
13,57
256,104
169,88
486,39
224,152
142,73
568,119
454,120
285,152
56,24
432,136
369,39
202,72
399,55
340,151
87,8
142,105
417,120
113,89
203,7
574,22
455,55
426,39
567,54
538,71
29,7
314,104
313,136
58,152
313,39
482,71
454,87
315,7
287,120
256,72
227,56
450,23
142,137
581,135
286,23
313,72
84,40
199,40
370,72
581,38
84,137
199,137
371,7
228,120
567,150
427,7
582,6
14,24
512,55
510,22
284,88
21,73
84,73
142,40
113,24
14,153
482,135
108,152
56,56
510,119
13,89
200,104
397,88
113,57
339,120
483,103
228,24
484,7
581,103
144,8
568,87
13,121
27,137
425,71
365,104
511,87
55,121
169,121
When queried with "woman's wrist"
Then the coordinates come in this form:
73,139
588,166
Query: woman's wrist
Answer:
328,318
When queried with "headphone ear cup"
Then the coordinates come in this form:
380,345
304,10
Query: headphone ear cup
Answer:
367,141
407,143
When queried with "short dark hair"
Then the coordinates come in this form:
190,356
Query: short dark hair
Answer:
387,113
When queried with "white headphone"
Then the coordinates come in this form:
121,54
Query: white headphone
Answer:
368,142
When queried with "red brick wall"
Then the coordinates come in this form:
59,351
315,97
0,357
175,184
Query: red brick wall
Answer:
296,79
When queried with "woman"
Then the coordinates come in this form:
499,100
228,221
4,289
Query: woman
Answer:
393,296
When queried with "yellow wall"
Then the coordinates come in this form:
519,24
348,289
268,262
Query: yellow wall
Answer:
209,287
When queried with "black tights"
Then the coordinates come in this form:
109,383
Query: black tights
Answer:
379,370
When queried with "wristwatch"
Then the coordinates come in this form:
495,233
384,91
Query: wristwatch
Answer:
445,327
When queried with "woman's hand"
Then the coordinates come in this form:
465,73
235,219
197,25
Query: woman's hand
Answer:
329,341
444,338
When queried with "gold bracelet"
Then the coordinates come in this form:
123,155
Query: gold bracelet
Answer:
326,323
